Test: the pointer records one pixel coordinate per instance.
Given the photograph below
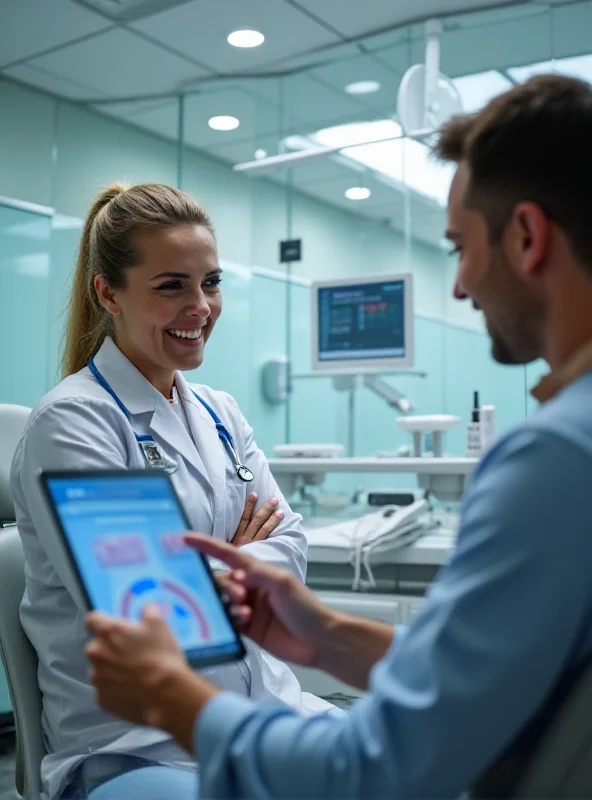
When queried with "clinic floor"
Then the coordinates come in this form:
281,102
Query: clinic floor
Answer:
7,789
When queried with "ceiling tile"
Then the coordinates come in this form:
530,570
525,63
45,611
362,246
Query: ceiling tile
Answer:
202,36
41,79
321,170
382,194
119,64
269,90
160,118
128,111
362,68
317,58
29,27
469,50
310,102
353,18
256,118
399,57
238,152
307,103
392,38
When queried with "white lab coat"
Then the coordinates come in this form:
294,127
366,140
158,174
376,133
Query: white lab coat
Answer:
78,425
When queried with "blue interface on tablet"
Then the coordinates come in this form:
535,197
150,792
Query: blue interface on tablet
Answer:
126,536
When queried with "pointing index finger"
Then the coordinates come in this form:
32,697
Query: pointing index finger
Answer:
220,550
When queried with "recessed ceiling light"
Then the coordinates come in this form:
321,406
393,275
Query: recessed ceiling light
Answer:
362,87
246,38
223,123
357,193
259,154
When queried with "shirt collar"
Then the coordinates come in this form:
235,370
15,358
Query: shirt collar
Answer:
558,379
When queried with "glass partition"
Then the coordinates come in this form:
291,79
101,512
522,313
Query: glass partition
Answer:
24,301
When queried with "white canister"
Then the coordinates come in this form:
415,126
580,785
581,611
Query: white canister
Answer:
487,427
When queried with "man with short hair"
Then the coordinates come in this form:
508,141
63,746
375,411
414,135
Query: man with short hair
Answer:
510,616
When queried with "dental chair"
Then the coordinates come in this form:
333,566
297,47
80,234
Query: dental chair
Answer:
18,656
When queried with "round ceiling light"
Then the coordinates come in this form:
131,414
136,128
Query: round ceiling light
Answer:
260,153
357,193
245,38
362,87
223,123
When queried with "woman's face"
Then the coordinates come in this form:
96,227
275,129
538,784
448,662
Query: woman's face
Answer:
168,308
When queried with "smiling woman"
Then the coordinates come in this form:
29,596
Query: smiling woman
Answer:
145,300
162,319
160,312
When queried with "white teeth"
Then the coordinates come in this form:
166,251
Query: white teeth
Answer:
186,334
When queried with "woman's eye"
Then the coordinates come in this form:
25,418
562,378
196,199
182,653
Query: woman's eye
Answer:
170,286
211,283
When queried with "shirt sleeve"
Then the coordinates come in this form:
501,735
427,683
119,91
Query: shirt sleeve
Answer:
498,628
287,546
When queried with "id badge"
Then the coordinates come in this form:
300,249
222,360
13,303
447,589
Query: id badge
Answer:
154,457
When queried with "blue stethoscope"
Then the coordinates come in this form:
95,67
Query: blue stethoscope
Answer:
152,455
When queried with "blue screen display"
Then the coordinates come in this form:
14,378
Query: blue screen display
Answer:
361,321
126,536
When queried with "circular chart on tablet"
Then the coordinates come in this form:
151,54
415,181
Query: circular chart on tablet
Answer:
178,607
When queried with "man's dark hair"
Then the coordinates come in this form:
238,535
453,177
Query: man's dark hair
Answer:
532,143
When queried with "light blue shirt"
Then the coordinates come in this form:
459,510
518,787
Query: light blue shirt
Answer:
506,618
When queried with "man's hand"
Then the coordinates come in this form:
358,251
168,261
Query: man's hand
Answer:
270,605
256,527
141,674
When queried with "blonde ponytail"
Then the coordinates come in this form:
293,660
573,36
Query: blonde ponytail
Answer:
106,249
87,323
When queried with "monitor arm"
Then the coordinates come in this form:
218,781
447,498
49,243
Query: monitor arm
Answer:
388,392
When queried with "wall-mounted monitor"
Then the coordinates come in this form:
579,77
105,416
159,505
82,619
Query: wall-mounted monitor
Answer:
363,324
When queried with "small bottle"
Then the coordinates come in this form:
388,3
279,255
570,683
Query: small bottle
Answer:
474,439
487,427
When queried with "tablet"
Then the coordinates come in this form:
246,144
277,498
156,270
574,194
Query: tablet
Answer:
123,530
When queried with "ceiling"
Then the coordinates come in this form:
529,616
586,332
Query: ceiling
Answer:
132,58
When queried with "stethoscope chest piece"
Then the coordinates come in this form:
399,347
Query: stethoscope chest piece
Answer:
244,473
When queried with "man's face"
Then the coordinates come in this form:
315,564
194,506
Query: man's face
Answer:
491,276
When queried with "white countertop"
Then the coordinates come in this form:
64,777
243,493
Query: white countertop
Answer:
419,466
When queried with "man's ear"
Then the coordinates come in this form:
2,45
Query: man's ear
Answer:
528,237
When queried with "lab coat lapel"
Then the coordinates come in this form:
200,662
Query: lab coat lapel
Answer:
166,426
212,451
142,399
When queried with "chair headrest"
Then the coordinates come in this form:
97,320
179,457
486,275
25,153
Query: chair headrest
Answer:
13,420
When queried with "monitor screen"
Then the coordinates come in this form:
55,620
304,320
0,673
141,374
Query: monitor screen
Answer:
125,535
363,322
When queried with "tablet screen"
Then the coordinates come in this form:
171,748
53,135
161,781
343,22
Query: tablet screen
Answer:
125,535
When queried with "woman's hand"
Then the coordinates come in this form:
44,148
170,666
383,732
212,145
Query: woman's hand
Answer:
270,605
256,527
